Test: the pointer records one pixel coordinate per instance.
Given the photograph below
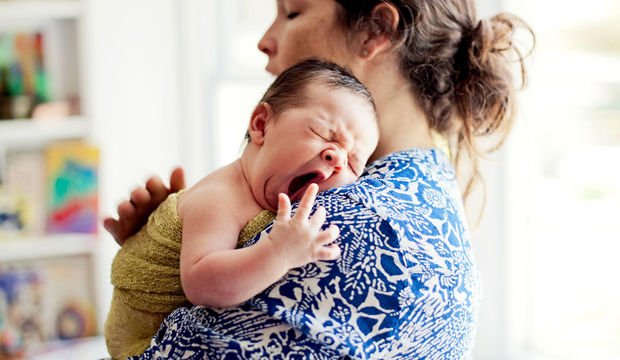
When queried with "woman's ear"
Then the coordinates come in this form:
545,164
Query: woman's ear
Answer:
379,30
261,116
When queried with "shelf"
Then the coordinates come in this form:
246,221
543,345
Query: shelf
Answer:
46,246
85,348
20,132
31,9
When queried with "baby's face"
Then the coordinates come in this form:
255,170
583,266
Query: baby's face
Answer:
327,141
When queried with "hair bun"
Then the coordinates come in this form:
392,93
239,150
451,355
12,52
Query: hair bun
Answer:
493,36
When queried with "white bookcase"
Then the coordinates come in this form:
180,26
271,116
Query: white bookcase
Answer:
61,23
31,9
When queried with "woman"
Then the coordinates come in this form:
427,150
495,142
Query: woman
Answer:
406,284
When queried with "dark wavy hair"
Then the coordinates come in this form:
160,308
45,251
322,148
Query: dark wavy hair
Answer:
289,88
458,65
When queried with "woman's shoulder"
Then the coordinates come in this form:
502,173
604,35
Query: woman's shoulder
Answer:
414,164
395,177
409,198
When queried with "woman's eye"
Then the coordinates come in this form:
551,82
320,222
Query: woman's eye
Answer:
292,15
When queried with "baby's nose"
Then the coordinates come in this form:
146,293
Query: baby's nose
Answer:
335,158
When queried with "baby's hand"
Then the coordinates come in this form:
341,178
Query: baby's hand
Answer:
300,240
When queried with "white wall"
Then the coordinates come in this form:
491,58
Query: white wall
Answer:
132,98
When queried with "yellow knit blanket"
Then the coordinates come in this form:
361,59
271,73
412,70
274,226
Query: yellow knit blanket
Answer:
146,279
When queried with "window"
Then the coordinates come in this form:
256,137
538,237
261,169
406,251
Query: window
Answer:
563,181
551,249
220,43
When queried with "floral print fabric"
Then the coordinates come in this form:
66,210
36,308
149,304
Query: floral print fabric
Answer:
405,287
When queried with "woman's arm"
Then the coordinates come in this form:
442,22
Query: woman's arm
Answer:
213,273
133,213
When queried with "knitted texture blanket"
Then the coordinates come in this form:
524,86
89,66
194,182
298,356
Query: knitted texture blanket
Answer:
147,282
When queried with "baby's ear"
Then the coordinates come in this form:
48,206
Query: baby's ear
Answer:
261,116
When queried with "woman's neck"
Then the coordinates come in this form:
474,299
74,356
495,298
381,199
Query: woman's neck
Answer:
402,122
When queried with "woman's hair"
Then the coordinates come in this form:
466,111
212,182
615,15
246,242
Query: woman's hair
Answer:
289,89
459,66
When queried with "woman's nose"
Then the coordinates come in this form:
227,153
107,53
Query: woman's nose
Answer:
335,158
267,44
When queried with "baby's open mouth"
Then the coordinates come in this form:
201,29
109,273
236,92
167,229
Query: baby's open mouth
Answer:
299,184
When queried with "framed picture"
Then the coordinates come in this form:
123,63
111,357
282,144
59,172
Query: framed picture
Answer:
50,299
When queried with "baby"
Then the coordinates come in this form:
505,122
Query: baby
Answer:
314,129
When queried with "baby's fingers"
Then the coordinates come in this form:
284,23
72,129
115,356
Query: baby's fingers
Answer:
328,235
330,252
284,207
318,218
305,205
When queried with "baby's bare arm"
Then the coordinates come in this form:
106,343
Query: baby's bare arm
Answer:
214,273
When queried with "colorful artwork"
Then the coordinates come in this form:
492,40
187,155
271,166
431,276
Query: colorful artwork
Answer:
21,308
72,188
48,300
22,196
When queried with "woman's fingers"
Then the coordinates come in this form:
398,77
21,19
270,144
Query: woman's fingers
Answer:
305,205
133,214
284,208
157,190
140,197
177,180
124,227
115,229
127,223
126,210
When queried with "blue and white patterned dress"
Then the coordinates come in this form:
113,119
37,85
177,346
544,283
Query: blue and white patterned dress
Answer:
405,287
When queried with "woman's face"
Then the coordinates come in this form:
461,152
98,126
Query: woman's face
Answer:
302,29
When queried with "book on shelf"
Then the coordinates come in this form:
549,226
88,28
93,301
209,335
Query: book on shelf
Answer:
25,182
44,301
50,191
23,78
72,189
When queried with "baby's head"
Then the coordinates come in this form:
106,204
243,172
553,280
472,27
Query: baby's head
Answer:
315,124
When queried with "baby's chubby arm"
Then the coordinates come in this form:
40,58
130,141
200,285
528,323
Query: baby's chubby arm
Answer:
213,273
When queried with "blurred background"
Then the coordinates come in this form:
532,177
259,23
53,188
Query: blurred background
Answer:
96,96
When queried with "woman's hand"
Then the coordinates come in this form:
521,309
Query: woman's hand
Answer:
134,213
299,240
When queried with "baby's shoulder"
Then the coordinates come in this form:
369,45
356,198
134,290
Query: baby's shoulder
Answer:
213,193
223,194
